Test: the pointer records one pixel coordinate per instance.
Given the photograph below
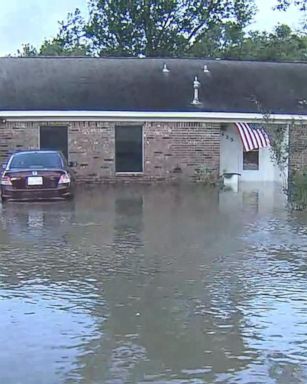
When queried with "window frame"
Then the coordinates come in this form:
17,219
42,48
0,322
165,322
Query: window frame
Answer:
258,161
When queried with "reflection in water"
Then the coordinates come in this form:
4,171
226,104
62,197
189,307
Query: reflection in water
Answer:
154,284
26,222
42,332
251,200
128,225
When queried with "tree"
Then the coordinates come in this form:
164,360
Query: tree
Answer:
151,27
56,47
68,41
284,4
71,37
281,45
220,41
208,28
27,50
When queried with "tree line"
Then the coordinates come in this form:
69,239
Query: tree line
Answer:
173,28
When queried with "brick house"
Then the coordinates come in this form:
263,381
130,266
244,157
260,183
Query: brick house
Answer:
151,119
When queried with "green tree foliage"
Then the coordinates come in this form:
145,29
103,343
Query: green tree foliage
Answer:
27,50
220,41
207,28
57,47
70,39
54,47
284,4
151,27
281,45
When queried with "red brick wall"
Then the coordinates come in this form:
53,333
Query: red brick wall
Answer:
171,150
298,148
16,136
183,147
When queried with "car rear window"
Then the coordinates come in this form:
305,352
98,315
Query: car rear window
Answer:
36,160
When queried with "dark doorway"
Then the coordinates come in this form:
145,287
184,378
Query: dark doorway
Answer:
54,138
129,149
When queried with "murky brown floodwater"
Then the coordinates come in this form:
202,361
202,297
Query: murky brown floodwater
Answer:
153,285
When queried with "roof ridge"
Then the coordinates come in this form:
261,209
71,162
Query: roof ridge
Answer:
122,58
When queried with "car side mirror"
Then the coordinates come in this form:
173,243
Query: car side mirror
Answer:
3,166
72,164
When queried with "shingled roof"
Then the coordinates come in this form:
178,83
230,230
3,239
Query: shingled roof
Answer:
126,84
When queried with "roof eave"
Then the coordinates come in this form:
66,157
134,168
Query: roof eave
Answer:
214,117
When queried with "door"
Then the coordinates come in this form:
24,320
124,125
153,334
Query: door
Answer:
54,138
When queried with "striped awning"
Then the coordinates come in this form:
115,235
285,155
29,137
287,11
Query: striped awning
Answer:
253,136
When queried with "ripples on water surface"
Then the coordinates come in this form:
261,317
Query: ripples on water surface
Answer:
154,285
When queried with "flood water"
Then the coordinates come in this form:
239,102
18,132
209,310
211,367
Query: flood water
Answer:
154,284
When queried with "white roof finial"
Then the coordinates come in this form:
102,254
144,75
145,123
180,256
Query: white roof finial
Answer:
165,69
196,85
196,82
206,70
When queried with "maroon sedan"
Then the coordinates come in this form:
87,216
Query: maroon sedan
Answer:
36,175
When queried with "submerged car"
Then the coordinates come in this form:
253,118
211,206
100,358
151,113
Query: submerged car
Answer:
36,175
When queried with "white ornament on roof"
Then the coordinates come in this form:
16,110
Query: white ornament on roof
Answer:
206,70
165,69
196,85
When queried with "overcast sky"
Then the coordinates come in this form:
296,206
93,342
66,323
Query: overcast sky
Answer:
31,21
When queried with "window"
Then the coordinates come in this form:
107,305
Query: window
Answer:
129,149
251,160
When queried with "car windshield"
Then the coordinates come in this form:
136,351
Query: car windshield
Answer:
36,160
